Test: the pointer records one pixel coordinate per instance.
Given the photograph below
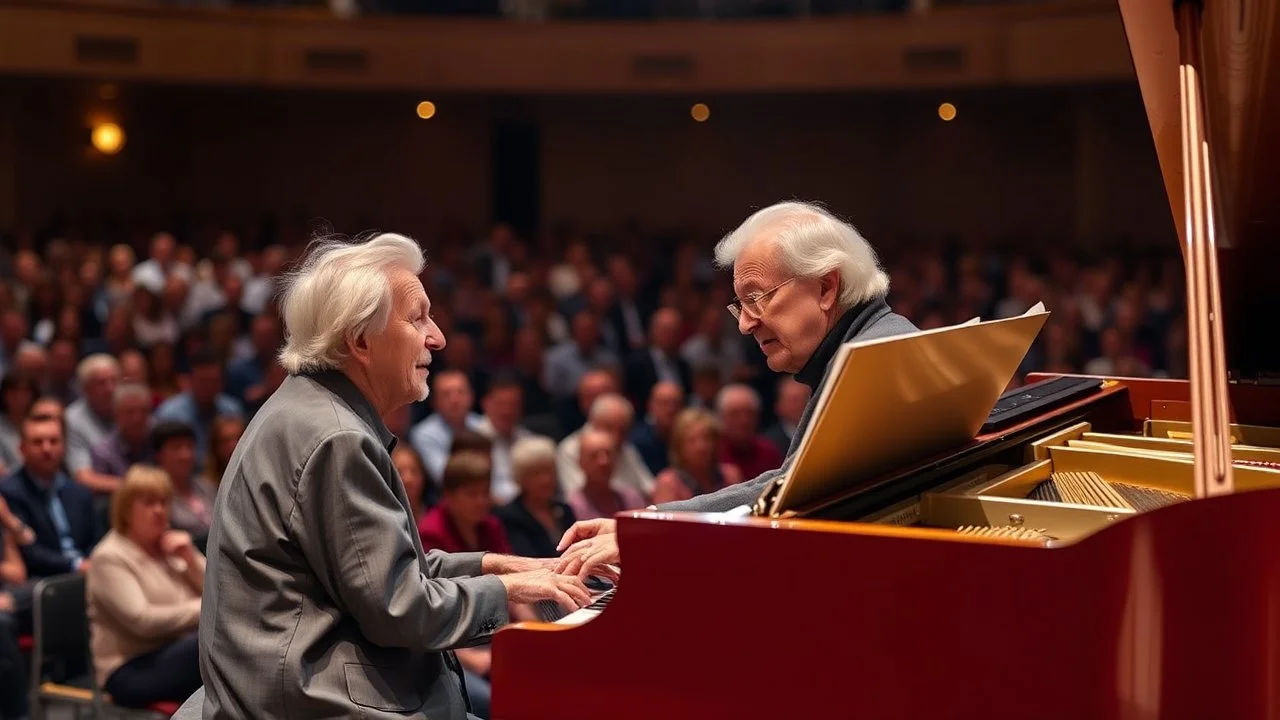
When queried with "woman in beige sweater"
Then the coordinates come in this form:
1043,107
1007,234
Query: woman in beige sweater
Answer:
144,588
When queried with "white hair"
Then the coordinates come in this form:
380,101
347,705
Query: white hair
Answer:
340,291
812,242
607,401
722,397
530,453
94,363
127,391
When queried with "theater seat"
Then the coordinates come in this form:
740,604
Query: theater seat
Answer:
164,708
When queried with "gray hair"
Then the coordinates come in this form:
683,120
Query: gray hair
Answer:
529,453
812,242
339,291
127,391
94,363
609,401
746,391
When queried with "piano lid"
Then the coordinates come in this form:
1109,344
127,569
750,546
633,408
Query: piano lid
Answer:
1241,46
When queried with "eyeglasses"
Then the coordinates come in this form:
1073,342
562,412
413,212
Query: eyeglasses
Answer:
753,305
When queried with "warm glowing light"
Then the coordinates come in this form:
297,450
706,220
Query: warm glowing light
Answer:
700,112
426,109
947,112
108,138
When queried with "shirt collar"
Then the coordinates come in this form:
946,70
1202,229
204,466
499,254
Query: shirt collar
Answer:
851,323
337,382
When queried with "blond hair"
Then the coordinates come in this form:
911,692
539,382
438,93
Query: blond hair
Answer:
686,422
139,481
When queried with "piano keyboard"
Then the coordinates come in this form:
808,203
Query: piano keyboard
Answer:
549,611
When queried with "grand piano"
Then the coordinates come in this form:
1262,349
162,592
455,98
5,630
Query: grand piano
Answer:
1115,554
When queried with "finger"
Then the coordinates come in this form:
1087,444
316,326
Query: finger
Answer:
577,591
570,537
568,559
565,601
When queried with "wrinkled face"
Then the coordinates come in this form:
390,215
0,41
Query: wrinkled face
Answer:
787,320
148,518
398,356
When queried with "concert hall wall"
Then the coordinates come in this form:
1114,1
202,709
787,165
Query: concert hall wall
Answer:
1052,164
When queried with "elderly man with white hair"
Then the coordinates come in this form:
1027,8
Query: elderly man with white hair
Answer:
319,600
91,419
806,282
614,415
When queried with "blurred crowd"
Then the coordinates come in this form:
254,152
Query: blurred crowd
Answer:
584,374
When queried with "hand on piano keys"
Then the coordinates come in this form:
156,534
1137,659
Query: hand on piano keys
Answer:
592,546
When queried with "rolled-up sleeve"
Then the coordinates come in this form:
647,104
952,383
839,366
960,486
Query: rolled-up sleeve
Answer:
355,534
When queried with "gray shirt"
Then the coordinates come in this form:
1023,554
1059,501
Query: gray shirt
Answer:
318,599
867,321
85,430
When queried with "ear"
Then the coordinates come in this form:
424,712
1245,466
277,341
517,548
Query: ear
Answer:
829,289
358,347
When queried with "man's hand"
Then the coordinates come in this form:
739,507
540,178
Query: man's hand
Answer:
495,564
566,590
592,556
177,543
587,529
6,602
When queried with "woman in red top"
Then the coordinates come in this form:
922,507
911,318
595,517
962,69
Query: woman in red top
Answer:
462,521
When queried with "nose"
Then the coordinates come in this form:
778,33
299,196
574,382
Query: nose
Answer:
435,339
746,323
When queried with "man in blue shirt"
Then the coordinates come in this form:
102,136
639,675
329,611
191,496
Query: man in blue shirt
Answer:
204,401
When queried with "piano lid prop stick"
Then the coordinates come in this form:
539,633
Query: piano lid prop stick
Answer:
1210,439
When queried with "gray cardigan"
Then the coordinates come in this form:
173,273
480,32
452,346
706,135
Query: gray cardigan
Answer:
867,321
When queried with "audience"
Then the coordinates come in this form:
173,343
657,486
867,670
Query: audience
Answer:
652,435
792,396
599,496
174,445
17,393
198,406
414,477
143,596
741,445
129,441
91,420
612,414
536,519
452,397
695,468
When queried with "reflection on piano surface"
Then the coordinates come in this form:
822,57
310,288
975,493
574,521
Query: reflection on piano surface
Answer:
1063,564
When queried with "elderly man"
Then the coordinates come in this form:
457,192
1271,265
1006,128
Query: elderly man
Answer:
806,283
319,600
612,414
91,419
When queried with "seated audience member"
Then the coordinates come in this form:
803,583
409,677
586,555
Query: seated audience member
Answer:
461,522
199,405
129,443
652,436
17,394
503,407
535,520
134,368
144,597
566,363
91,419
174,445
452,397
599,497
741,445
613,414
15,614
660,360
59,511
793,395
226,435
414,477
695,469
